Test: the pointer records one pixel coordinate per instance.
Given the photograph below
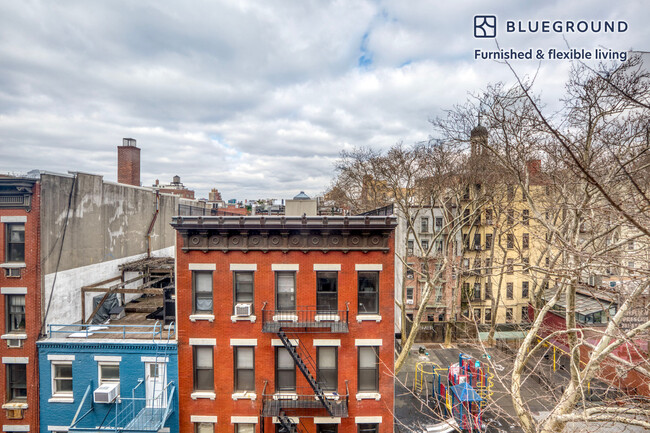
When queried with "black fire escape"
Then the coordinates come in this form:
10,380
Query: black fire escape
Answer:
312,401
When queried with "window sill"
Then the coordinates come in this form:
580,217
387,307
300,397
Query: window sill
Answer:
246,395
60,399
196,317
203,394
15,405
285,396
369,317
285,317
17,336
325,317
330,395
368,396
13,265
251,319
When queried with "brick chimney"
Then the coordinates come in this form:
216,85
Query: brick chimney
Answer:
128,162
534,167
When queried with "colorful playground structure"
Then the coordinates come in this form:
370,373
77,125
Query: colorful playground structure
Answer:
461,390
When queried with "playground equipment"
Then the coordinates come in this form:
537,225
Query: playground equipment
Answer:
460,390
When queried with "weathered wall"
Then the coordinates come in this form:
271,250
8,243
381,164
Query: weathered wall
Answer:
107,226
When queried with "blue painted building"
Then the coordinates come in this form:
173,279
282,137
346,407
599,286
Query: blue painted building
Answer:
108,378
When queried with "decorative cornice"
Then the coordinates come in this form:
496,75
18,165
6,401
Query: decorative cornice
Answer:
283,233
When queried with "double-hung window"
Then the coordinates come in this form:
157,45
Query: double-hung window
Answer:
203,368
326,291
368,428
424,225
524,289
15,243
204,427
509,291
327,368
244,368
62,379
243,282
16,382
327,428
368,292
202,292
285,291
244,428
285,370
368,379
15,313
109,372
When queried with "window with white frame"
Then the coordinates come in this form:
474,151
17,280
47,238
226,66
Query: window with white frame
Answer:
368,379
109,372
16,375
368,292
203,427
202,292
15,313
244,369
244,428
243,282
15,243
62,378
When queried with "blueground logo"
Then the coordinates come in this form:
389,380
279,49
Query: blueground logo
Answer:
485,26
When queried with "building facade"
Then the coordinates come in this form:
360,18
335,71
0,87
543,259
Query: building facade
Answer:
285,323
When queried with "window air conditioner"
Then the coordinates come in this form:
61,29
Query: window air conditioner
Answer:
14,413
14,342
106,393
409,301
243,310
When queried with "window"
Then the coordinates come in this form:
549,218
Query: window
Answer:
326,291
425,245
409,294
245,369
511,217
327,368
424,225
488,217
203,368
525,264
508,315
477,315
524,289
410,248
367,428
15,306
326,428
244,293
368,379
16,382
488,265
15,244
202,291
244,428
630,245
285,370
509,290
477,241
510,241
204,427
410,273
368,285
547,261
524,314
62,378
511,192
438,223
488,241
510,266
525,217
109,373
476,267
525,240
477,291
285,291
466,216
488,290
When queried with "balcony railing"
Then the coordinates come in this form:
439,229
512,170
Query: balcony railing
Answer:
155,331
311,319
304,403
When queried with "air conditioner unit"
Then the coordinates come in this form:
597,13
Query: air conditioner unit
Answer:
14,342
243,310
106,393
14,413
409,301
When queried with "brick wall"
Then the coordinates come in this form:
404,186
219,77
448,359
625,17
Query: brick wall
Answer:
128,165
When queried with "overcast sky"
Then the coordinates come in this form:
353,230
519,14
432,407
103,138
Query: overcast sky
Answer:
257,98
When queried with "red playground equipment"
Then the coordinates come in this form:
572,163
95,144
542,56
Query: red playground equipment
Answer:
468,386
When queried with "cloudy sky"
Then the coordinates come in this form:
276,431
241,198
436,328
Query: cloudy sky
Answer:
257,98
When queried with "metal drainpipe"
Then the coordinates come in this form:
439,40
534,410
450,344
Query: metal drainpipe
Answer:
153,221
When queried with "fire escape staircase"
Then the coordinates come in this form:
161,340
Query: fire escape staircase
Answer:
299,359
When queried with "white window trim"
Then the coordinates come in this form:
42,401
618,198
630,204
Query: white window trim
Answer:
203,341
101,358
99,371
15,428
202,266
327,267
197,317
159,360
368,267
203,418
368,342
203,394
15,359
13,290
326,343
243,266
243,341
60,397
285,267
57,428
13,337
60,357
276,342
13,265
13,219
368,318
243,420
251,319
244,395
367,420
327,420
368,396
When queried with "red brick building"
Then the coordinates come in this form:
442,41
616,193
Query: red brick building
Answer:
20,301
285,323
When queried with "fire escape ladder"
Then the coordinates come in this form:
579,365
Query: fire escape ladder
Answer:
299,359
285,421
